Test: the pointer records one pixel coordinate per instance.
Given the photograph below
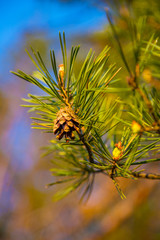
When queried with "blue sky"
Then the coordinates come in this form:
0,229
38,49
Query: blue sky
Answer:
73,18
17,17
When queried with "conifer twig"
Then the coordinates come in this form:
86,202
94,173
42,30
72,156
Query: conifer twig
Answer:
149,105
146,175
90,154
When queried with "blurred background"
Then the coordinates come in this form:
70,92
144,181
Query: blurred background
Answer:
26,208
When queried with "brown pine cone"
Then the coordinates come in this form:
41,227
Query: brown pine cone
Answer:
65,123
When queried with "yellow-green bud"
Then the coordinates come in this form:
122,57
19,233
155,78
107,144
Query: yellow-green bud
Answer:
136,127
116,153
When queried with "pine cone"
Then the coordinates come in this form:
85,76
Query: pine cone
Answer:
65,123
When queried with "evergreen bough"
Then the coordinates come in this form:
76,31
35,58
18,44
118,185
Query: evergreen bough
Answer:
95,135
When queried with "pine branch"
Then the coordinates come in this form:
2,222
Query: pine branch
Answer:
146,175
90,153
81,104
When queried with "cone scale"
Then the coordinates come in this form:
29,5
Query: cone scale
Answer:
65,124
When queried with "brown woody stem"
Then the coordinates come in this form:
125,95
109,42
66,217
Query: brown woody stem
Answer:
88,148
146,175
147,102
150,108
78,130
133,83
